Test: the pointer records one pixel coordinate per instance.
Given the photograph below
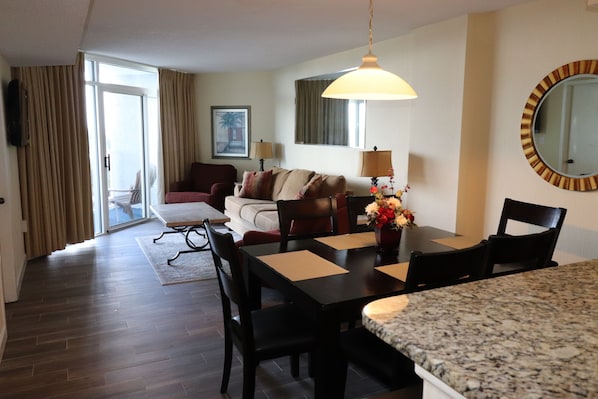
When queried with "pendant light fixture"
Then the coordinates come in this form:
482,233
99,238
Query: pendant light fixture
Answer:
369,81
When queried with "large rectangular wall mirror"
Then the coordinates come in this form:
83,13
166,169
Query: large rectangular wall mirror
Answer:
324,120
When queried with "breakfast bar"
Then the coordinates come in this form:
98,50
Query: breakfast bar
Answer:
527,335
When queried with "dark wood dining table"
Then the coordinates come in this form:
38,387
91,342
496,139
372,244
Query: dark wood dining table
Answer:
335,299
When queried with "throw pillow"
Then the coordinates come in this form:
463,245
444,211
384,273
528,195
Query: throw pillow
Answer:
295,180
311,189
257,185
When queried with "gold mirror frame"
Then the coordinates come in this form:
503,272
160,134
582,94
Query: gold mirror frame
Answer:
585,183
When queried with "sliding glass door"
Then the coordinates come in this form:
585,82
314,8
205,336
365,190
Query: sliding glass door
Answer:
123,157
124,142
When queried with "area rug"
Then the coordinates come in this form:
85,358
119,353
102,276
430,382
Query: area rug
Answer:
187,267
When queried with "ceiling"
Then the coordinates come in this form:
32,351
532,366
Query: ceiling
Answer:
211,35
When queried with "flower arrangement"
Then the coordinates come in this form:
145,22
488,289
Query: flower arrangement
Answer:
389,211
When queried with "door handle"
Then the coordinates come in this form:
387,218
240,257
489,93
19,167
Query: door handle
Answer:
107,162
2,200
570,161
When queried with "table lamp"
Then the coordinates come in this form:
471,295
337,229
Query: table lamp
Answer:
261,150
375,163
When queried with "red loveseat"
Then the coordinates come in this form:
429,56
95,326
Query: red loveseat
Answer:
209,183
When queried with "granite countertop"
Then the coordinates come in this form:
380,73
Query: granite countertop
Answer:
526,335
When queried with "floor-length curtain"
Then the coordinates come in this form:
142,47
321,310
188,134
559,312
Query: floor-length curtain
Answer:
178,124
54,172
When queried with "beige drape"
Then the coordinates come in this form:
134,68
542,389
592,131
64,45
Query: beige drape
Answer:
319,120
54,168
178,124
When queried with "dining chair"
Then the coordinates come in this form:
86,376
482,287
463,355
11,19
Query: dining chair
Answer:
261,334
356,213
538,215
437,269
306,218
511,254
426,271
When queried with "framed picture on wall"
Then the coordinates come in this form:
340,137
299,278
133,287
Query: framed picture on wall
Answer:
231,131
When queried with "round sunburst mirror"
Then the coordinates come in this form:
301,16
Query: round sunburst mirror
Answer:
559,127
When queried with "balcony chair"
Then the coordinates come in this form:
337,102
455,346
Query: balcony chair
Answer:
534,214
262,334
126,198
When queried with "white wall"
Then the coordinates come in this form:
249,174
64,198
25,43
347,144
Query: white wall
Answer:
458,144
254,89
11,235
531,41
435,145
12,253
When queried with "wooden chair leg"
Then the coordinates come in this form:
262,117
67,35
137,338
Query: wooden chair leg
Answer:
228,358
248,379
295,365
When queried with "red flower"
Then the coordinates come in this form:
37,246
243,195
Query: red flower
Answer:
409,215
381,221
389,211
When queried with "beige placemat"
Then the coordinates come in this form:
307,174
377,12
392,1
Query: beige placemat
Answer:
396,270
458,242
349,241
301,265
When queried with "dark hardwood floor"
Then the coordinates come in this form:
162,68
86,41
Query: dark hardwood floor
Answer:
93,321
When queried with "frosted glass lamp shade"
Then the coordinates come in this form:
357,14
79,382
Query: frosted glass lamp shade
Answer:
370,82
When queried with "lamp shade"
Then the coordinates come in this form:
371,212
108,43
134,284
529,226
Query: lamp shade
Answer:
261,150
370,82
375,163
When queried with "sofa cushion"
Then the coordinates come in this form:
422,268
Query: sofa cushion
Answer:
261,213
279,176
294,182
332,185
234,204
311,189
250,212
267,220
257,185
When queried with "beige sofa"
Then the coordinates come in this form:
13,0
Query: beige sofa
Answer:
247,213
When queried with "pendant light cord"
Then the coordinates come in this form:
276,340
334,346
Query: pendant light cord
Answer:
371,35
